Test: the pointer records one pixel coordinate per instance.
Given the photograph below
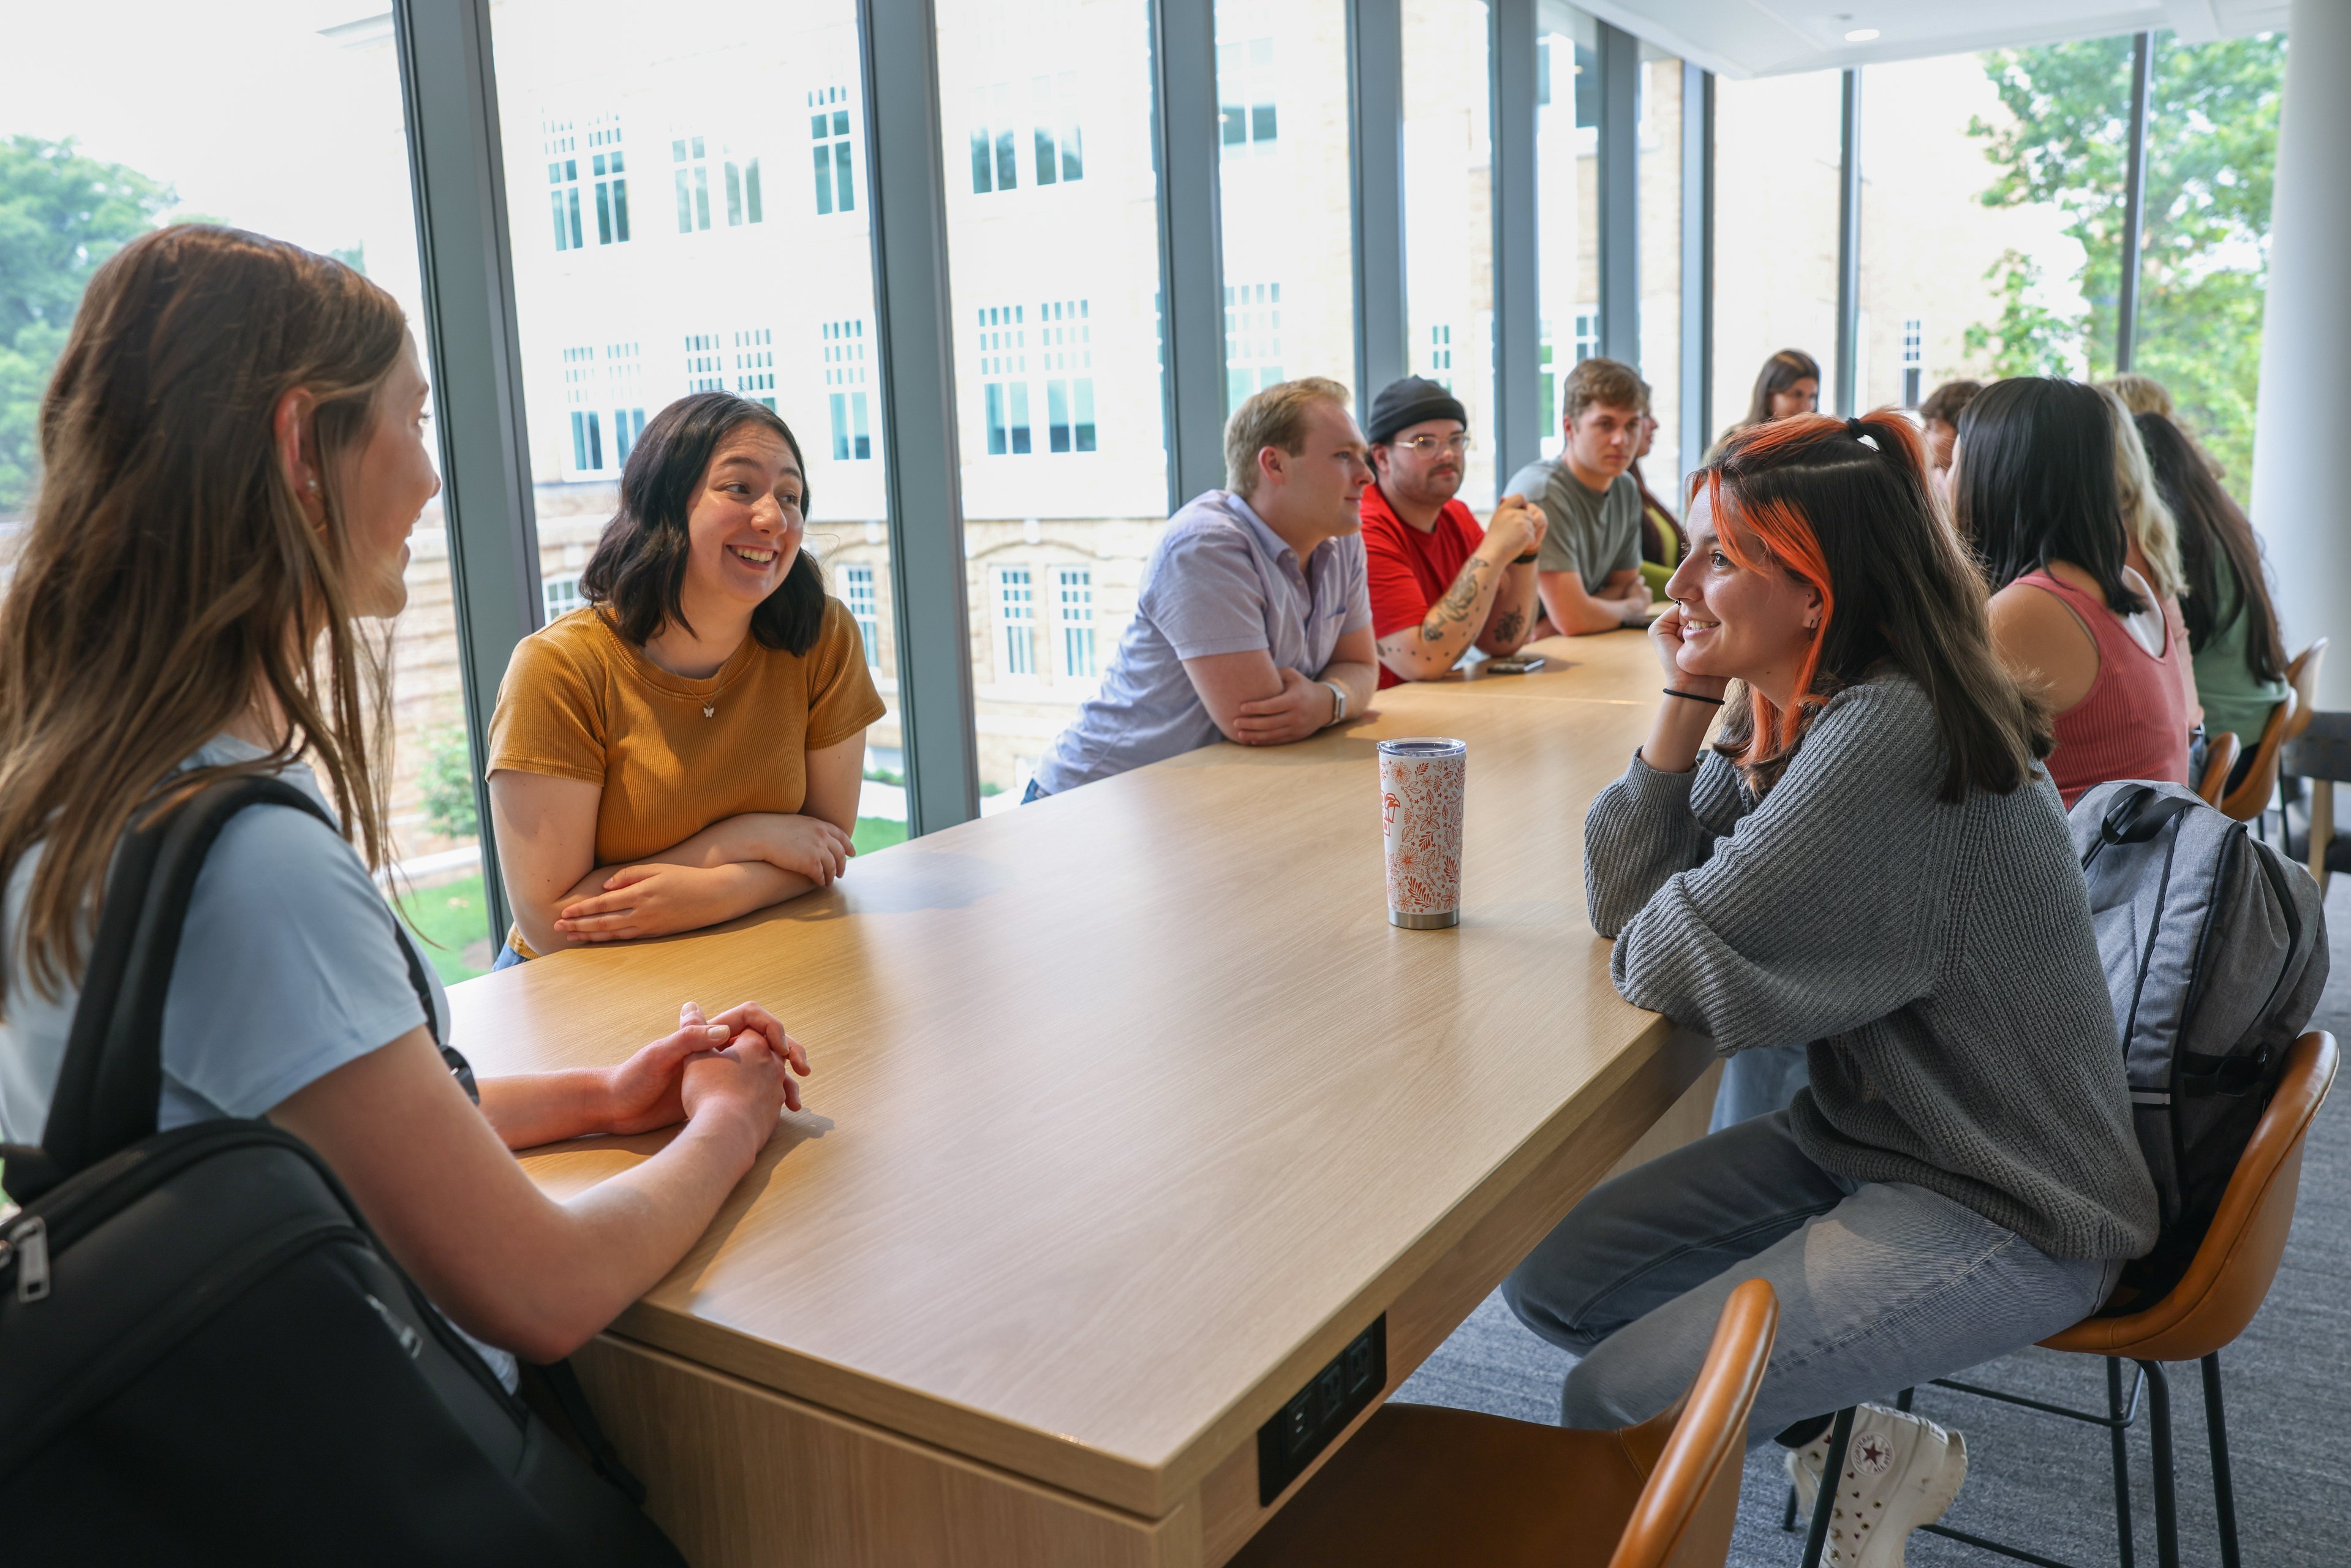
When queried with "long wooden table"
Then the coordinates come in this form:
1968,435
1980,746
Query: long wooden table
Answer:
1131,1111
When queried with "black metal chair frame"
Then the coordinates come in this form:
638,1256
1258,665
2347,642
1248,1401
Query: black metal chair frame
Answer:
2120,1416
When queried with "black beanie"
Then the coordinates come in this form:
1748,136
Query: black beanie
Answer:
1409,402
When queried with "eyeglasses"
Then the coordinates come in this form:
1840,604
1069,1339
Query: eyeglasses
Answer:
1427,446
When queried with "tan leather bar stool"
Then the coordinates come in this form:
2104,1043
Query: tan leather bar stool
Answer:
2225,1285
1423,1486
2249,799
2219,757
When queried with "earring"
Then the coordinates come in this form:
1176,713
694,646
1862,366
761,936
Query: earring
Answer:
314,487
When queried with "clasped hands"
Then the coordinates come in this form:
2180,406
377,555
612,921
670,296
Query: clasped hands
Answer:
741,1061
656,897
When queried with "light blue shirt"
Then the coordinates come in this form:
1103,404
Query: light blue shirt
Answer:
289,965
1220,581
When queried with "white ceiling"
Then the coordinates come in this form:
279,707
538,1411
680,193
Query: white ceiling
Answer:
1772,38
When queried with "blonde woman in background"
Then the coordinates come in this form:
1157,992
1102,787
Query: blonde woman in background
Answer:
2140,394
2154,535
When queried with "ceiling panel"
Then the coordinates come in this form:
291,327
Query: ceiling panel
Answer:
1773,37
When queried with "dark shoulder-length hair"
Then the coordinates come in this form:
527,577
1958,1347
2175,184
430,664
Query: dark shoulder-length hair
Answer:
638,571
1781,371
1843,506
2033,482
2215,536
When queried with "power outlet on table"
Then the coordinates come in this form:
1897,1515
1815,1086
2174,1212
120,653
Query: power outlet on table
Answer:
1319,1412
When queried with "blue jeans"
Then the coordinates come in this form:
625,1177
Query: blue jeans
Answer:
1757,1081
1032,793
508,958
1881,1285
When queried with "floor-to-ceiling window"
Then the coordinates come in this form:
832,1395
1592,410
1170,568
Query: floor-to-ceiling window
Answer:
1284,172
689,194
1936,255
1449,194
1567,201
1778,153
1053,254
1658,174
283,119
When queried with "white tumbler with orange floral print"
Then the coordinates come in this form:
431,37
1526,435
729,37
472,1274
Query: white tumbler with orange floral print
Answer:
1420,801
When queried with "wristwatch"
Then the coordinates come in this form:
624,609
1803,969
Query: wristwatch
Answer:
1338,702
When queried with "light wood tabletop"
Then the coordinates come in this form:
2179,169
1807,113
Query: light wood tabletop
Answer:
1131,1108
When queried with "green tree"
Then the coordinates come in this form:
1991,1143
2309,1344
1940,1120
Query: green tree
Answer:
446,783
61,213
2211,151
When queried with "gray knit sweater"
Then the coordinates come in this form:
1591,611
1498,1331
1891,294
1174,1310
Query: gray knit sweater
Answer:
1938,959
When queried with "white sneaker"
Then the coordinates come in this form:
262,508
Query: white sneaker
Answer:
1900,1472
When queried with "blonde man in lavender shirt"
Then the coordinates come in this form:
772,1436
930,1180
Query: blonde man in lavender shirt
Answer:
1255,622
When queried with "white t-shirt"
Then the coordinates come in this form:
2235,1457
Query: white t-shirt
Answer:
288,967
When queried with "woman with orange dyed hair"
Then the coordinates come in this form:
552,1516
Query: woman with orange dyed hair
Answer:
1868,865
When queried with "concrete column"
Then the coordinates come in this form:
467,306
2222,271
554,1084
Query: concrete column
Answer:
2305,395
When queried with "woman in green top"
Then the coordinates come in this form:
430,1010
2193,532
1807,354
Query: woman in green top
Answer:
2232,627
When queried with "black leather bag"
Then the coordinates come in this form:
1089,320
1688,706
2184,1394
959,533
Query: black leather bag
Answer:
204,1355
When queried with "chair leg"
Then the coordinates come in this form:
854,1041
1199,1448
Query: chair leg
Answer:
2322,828
2224,1491
1902,1400
2166,1512
2122,1460
1825,1500
1788,1518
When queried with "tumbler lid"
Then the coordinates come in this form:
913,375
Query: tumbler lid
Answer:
1422,745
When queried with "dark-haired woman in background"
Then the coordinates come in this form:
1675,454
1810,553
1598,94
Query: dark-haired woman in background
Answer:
2032,489
2232,627
1661,531
1788,384
687,747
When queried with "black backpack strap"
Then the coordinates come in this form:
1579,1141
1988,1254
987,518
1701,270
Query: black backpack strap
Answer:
562,1387
2137,815
451,1057
111,1078
110,1082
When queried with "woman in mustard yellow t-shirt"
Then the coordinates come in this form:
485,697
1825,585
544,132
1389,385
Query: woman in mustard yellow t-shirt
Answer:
689,745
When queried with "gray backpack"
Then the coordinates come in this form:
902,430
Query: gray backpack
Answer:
2215,951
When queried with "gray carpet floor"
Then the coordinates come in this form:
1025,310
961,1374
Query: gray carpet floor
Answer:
2046,1484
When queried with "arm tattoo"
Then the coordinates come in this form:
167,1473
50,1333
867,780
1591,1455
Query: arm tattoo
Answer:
1507,628
1455,607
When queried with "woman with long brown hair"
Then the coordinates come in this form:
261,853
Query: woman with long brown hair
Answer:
1788,385
1869,864
233,456
2232,626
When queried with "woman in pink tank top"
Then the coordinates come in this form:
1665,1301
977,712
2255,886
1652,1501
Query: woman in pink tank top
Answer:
2133,721
2034,491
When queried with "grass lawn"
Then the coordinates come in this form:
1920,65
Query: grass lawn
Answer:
877,833
454,918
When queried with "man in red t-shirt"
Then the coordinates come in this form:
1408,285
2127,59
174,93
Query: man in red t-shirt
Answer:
1438,581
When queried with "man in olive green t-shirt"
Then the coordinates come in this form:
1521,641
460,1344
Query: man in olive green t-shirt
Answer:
1589,571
